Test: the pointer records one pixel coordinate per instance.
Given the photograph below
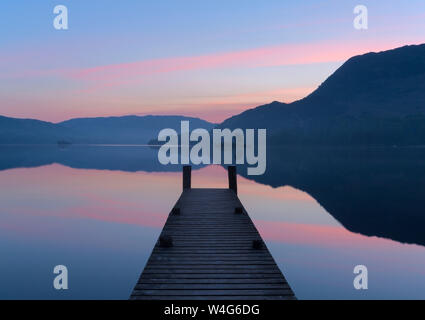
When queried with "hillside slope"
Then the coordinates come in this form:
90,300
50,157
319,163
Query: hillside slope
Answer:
375,98
108,130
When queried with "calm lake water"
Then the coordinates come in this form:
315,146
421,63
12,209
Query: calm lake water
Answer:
99,210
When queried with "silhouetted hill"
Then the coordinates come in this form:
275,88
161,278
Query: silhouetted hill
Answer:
23,131
108,130
375,98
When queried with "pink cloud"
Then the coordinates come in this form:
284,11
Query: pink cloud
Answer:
306,53
321,236
85,81
217,109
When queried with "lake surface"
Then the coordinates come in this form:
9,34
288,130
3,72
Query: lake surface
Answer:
99,210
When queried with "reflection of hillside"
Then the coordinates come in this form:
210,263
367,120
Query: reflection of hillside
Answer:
124,158
376,192
373,191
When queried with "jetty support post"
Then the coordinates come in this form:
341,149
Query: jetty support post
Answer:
187,173
232,178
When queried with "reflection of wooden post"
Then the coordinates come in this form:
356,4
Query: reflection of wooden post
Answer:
232,178
187,172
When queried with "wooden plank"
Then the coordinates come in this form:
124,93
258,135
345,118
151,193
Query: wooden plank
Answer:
213,292
194,259
194,275
206,297
209,271
212,256
276,280
208,286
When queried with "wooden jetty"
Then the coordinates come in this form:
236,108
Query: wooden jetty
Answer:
210,249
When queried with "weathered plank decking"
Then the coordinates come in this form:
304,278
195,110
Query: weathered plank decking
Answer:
210,249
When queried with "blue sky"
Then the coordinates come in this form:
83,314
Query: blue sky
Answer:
209,59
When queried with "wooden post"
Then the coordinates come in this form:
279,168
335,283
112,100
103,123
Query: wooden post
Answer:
187,172
232,178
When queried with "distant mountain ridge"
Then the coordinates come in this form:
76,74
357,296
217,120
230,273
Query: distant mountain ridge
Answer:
21,131
102,130
375,98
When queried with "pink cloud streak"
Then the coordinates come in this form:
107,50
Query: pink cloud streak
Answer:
259,57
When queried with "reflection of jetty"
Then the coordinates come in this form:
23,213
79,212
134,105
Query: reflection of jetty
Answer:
210,249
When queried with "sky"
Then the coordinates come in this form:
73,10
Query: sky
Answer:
208,59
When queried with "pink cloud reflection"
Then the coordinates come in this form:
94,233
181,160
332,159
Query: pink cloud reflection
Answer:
318,235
